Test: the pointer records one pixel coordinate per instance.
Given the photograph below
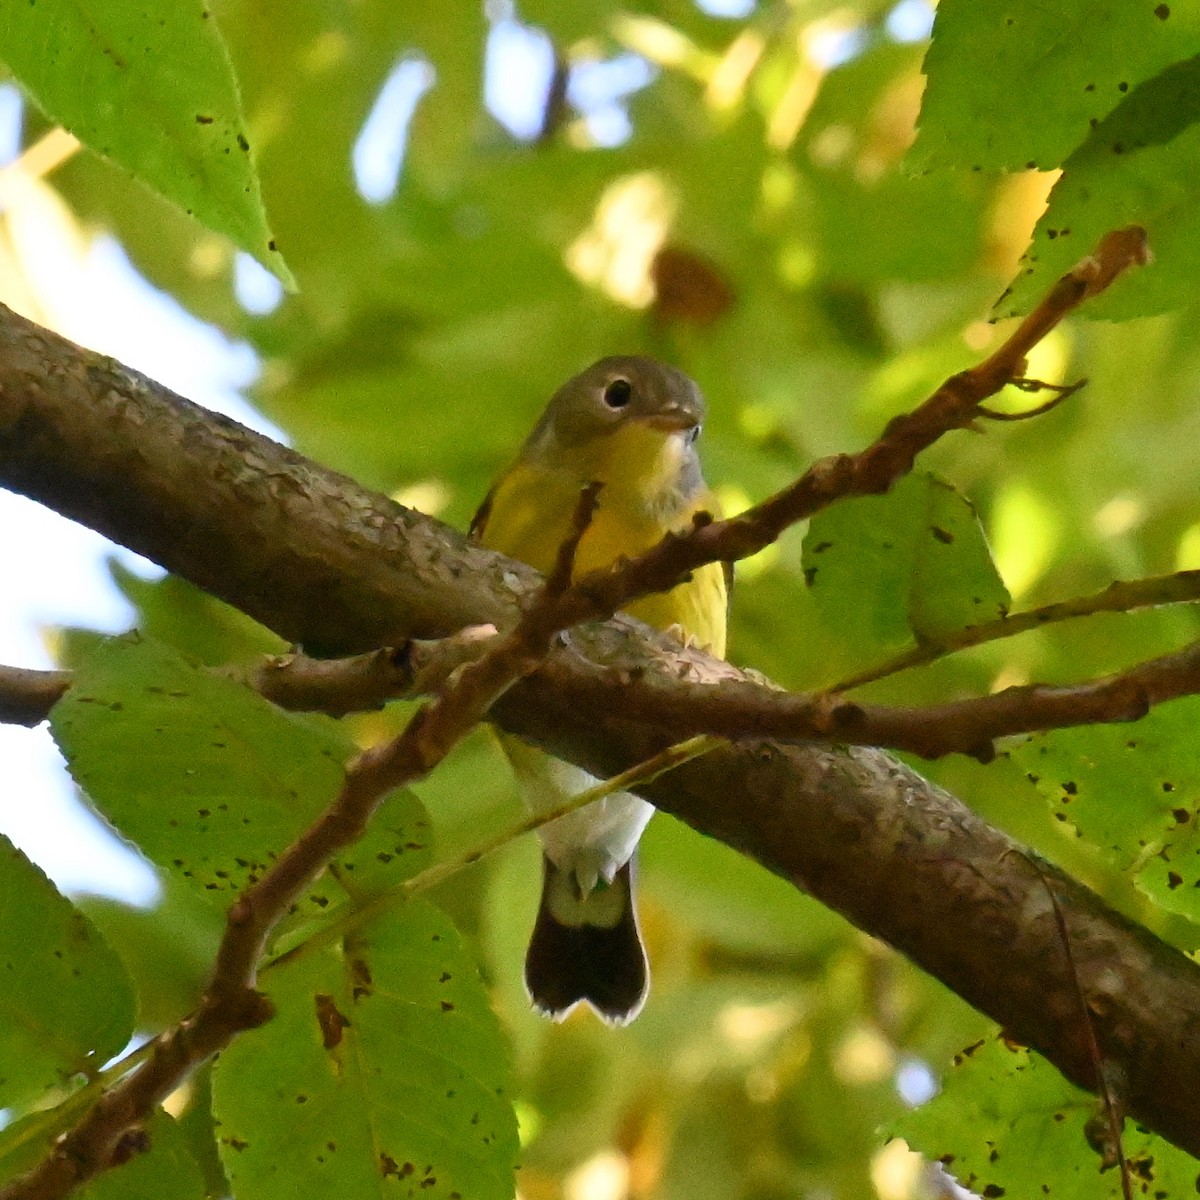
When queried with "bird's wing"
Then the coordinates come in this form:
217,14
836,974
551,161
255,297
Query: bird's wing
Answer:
480,519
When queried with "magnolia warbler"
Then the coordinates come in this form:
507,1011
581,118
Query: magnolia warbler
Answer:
630,424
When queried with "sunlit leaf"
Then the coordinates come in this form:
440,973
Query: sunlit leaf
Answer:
151,87
210,780
383,1070
1136,167
1007,1123
1134,791
203,774
1019,83
910,564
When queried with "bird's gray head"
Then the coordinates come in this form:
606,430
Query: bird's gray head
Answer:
616,392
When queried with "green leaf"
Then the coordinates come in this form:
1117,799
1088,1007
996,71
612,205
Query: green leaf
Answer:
1137,167
1018,83
383,1070
1007,1123
168,950
1134,791
150,86
174,611
211,781
65,1001
911,564
204,775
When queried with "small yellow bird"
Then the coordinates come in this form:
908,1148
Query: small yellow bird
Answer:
630,424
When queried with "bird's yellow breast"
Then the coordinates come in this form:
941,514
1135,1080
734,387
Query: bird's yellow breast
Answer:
530,517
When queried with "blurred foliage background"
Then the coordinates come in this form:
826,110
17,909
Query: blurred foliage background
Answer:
476,202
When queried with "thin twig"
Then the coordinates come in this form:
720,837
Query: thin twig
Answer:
27,696
742,709
1121,596
1113,1152
1061,392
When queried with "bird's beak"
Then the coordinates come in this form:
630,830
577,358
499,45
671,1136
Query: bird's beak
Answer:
675,418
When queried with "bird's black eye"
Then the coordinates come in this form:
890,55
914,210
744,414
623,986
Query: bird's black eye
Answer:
693,434
618,393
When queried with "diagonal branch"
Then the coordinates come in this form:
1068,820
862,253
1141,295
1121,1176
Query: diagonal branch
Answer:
329,565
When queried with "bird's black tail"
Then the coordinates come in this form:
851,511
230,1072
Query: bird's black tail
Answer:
587,949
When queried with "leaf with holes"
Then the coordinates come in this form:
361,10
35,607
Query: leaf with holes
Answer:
204,775
1137,167
1134,791
209,779
1019,83
150,86
384,1071
911,564
1006,1123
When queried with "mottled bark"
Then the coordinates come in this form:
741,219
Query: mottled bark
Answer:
336,568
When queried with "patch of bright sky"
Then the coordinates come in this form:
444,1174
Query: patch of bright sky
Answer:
11,107
910,21
56,573
726,8
254,287
597,89
915,1082
518,70
378,154
835,47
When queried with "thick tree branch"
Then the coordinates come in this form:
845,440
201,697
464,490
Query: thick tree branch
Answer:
739,708
325,563
968,727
